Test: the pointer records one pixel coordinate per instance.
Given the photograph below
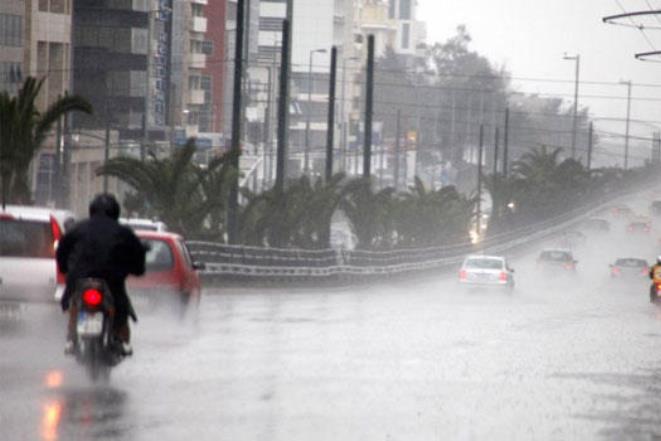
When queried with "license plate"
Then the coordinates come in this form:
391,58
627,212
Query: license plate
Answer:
90,324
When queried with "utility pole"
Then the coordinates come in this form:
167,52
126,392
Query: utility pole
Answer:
495,152
398,136
506,142
283,109
233,205
369,106
590,145
479,182
330,131
626,139
106,153
577,59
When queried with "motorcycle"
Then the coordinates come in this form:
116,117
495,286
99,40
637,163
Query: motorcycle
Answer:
95,346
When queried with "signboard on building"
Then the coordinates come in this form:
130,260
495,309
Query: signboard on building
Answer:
160,59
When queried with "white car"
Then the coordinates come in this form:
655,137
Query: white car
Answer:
28,239
144,224
486,271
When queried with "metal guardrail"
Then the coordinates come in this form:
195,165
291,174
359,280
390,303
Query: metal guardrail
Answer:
233,262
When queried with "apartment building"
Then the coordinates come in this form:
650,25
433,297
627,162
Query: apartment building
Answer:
12,44
111,50
410,31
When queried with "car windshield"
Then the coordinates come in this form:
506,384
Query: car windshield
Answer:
20,238
494,264
159,257
558,256
631,263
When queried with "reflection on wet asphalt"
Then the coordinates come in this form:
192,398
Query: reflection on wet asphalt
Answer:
572,358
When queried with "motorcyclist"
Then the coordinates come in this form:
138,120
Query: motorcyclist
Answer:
655,275
100,247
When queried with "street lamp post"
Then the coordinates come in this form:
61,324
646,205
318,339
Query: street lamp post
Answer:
306,164
626,138
577,59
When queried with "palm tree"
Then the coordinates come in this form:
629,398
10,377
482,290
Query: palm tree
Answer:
545,186
174,189
300,216
23,130
430,218
370,214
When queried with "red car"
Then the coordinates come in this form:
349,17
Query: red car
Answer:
171,272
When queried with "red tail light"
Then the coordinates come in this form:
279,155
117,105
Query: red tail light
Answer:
463,275
92,297
569,266
503,276
57,235
615,271
645,271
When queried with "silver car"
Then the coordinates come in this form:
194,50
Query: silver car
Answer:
486,271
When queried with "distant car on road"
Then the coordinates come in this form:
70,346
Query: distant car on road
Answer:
28,239
621,211
639,227
171,273
557,259
626,268
597,225
486,271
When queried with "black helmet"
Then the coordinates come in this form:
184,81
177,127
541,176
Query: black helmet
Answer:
105,204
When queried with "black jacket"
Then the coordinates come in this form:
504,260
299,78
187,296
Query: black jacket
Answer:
100,247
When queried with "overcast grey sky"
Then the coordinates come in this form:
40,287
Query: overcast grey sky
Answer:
529,37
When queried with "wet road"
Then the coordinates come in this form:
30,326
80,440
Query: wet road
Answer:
557,359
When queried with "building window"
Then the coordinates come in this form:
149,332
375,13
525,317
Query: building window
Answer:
207,47
406,36
392,5
11,30
405,9
273,24
10,73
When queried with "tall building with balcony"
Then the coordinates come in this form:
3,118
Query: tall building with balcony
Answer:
214,50
122,64
410,31
197,110
48,46
47,55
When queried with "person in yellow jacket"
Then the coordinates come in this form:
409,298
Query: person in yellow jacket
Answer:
655,275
